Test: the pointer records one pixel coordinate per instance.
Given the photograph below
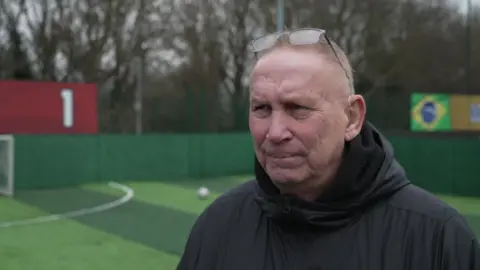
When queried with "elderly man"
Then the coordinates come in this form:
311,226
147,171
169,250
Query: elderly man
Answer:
328,192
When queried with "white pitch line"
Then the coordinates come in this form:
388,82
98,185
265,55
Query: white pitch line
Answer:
129,193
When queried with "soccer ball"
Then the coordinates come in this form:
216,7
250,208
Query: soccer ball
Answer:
203,192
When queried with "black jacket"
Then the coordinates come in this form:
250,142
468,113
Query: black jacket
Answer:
371,218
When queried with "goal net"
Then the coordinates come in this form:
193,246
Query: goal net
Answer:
6,164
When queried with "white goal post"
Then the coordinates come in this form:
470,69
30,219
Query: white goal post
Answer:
7,159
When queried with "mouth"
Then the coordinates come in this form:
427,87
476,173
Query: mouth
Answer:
284,161
281,156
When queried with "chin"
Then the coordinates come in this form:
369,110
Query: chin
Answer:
286,176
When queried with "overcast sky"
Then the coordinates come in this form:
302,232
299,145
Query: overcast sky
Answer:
463,3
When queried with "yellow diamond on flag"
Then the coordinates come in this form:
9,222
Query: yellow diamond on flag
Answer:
428,112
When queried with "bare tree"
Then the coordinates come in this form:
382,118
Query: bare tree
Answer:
195,57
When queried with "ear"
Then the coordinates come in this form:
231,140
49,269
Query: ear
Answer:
356,116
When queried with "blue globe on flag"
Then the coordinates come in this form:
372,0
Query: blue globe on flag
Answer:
429,112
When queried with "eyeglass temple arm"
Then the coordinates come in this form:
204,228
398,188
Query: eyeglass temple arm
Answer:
336,55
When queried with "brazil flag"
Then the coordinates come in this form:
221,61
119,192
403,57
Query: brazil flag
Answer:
430,112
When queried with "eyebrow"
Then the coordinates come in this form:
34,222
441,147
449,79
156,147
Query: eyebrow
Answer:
256,100
305,101
295,99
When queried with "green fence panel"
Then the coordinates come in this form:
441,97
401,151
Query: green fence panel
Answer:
439,165
146,157
465,172
218,155
52,161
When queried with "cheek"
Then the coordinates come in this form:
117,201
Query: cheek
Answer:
258,129
312,131
317,135
328,136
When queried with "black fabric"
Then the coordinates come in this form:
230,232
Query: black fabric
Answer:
371,218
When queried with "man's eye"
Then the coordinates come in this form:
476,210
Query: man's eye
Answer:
296,107
299,111
260,108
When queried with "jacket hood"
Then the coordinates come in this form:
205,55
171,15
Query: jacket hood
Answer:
368,174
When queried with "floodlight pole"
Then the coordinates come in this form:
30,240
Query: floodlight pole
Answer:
138,106
140,68
280,15
468,48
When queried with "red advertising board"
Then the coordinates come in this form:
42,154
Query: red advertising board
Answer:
28,107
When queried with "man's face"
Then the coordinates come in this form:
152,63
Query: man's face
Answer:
298,117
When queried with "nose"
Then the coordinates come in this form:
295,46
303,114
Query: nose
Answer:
278,131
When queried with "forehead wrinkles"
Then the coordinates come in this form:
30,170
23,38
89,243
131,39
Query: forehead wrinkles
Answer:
287,69
293,81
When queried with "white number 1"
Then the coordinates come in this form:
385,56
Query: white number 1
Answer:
67,101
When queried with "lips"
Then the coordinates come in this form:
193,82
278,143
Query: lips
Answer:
284,161
280,156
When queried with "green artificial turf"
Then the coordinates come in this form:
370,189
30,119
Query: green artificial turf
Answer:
67,244
148,232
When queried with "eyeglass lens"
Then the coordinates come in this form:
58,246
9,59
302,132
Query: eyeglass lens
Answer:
305,37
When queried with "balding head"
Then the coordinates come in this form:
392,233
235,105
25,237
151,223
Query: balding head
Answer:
331,57
290,66
301,113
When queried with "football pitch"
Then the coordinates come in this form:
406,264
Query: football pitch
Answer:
132,225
